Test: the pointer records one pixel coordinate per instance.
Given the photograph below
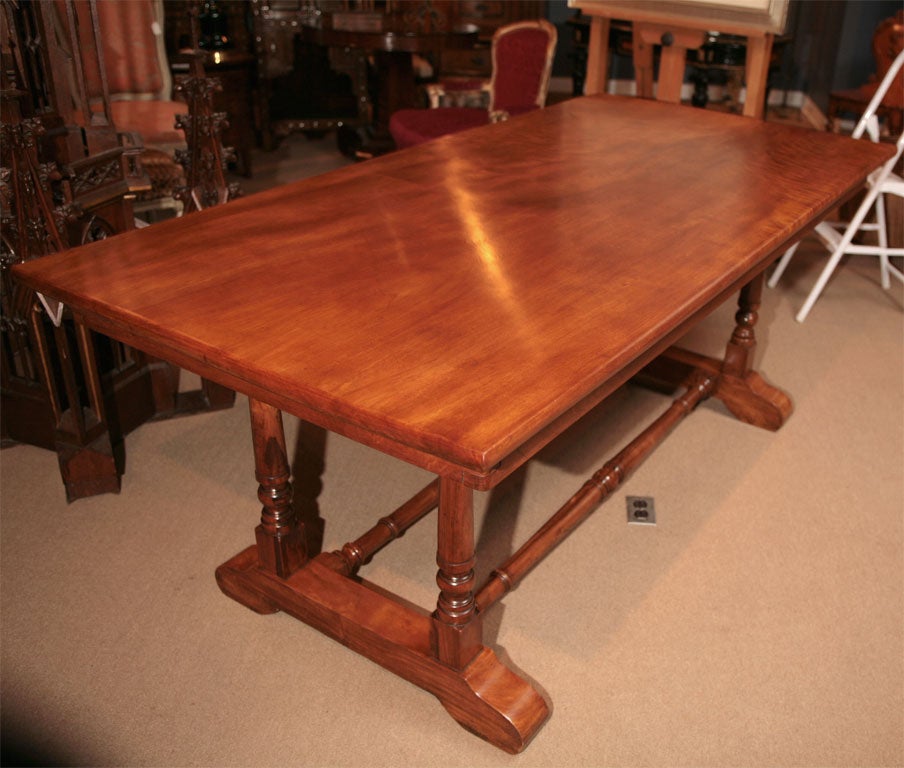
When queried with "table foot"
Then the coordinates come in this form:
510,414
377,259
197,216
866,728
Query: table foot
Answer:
754,401
486,697
493,702
748,397
233,580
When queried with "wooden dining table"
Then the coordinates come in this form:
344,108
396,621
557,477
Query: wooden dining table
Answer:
457,306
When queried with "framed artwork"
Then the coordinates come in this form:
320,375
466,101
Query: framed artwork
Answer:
741,17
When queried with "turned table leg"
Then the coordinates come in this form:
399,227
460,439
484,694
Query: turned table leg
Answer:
442,653
280,537
741,346
458,627
479,691
280,549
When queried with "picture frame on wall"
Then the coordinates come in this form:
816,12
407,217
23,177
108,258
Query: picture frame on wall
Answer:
740,17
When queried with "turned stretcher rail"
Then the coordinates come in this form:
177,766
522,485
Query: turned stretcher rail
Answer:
358,552
579,507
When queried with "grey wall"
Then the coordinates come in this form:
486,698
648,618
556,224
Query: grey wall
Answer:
855,60
830,46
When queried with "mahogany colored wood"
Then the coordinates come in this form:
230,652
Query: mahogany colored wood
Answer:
887,41
280,537
487,698
479,295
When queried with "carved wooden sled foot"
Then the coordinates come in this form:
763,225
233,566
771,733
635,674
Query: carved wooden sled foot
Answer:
490,700
746,394
748,397
485,697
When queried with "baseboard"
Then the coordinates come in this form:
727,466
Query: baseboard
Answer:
777,97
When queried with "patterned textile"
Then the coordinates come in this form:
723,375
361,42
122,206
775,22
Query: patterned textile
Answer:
129,46
164,172
154,120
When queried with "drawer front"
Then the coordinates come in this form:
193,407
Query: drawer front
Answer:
483,10
475,61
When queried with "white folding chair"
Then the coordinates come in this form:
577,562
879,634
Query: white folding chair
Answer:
839,237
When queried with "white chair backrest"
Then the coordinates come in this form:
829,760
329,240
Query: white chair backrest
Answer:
868,121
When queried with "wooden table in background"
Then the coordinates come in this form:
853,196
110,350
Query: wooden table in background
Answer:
472,299
392,51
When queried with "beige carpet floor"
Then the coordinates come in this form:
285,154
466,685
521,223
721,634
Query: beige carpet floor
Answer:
759,623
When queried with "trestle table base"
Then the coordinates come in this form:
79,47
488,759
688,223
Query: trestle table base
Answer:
443,651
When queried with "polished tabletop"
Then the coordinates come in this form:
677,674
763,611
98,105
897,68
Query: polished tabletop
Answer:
448,302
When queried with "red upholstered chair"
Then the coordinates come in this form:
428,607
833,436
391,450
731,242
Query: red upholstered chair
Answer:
522,62
140,86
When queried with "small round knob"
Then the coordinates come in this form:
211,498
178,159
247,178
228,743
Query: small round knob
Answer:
667,38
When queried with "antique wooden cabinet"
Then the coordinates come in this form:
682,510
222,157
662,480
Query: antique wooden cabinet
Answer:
300,86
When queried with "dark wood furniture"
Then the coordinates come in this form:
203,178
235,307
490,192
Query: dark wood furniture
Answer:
851,103
486,16
391,47
68,177
301,90
228,57
65,180
235,72
478,296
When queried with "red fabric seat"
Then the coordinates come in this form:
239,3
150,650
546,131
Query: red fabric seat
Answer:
414,126
410,127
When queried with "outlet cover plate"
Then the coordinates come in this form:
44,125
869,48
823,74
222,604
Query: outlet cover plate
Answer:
641,510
